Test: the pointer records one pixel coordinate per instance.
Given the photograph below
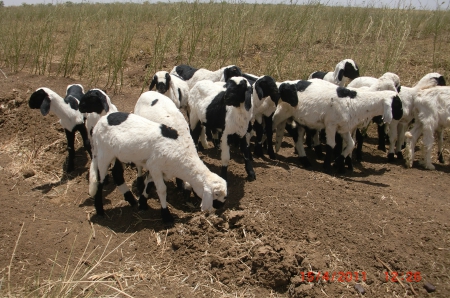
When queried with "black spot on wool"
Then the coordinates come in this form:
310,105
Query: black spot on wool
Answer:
186,72
117,118
440,81
302,85
168,132
348,71
318,75
180,97
344,92
216,112
397,108
154,102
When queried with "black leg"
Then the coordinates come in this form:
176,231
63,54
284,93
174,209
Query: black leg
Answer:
223,172
258,128
117,173
328,158
441,157
381,138
166,216
70,135
338,146
196,135
269,134
359,145
348,163
84,135
247,159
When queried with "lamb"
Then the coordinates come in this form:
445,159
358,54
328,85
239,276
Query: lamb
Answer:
227,109
67,111
317,105
95,104
407,95
171,86
193,75
161,149
265,98
431,113
345,69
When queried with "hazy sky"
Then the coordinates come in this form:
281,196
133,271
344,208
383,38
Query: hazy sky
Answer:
418,4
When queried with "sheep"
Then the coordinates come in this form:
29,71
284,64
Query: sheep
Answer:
95,104
431,113
227,109
159,108
171,86
161,149
265,98
345,69
193,75
388,81
407,95
317,105
67,111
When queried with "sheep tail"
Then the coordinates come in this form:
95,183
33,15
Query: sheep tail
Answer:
93,180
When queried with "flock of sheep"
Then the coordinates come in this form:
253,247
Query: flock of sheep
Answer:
227,106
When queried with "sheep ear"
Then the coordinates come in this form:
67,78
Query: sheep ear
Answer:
153,83
105,104
207,200
168,78
340,75
72,101
45,106
37,98
288,93
259,90
248,98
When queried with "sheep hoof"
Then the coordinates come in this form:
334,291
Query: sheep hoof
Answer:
358,156
441,158
318,151
391,157
305,161
166,216
143,203
340,164
348,163
70,167
271,153
251,176
399,155
130,198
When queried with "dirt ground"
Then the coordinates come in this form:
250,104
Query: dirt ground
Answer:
271,233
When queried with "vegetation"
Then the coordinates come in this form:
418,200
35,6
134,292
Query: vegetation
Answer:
288,41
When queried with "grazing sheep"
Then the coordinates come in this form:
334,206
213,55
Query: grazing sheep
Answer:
193,75
157,147
317,105
226,109
171,86
67,111
345,69
431,113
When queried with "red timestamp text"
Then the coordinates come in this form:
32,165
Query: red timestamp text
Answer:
338,276
409,276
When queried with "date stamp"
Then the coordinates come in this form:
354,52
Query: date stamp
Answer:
409,276
335,276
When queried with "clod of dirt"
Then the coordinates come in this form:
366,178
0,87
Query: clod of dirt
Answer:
233,217
360,289
429,287
301,291
316,261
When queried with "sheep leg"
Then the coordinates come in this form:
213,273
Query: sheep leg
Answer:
359,144
225,155
381,137
294,133
269,133
70,135
412,137
161,189
301,148
331,143
144,195
117,173
279,135
338,147
393,132
97,174
84,135
428,140
400,140
247,159
140,180
440,133
195,134
257,126
317,146
347,153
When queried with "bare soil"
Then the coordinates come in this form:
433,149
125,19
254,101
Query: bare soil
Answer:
288,222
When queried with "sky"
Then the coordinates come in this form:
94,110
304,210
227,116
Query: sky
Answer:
418,4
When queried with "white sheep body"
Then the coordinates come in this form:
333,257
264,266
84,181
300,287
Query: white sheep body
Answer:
432,113
157,147
201,74
320,105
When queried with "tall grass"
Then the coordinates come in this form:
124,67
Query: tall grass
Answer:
98,42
